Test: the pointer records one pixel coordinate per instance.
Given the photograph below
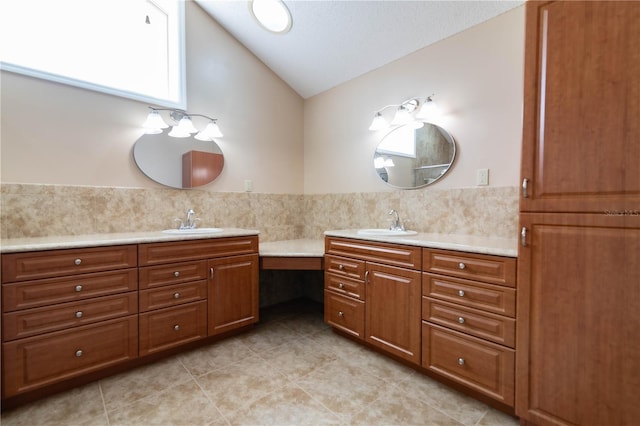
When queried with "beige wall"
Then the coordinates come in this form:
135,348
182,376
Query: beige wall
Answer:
57,134
477,76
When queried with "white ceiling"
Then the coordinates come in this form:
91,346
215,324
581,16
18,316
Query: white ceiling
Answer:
332,41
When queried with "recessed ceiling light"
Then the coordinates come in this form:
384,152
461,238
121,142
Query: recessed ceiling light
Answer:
273,15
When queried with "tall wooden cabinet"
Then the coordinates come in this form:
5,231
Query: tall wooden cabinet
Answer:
578,322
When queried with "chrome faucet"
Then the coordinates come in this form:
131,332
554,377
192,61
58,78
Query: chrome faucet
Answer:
190,222
396,225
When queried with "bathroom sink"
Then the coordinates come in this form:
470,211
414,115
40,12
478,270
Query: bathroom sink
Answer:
385,232
193,231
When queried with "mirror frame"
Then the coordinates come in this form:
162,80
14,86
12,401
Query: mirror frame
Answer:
442,131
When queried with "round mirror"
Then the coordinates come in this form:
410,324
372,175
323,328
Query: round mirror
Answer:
414,155
178,162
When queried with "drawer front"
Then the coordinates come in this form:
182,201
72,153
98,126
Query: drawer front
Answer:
488,326
390,254
31,294
483,366
487,297
57,263
31,322
344,313
179,251
176,273
166,328
37,361
344,266
345,286
491,269
165,297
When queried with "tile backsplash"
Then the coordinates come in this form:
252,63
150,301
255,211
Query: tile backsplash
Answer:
28,210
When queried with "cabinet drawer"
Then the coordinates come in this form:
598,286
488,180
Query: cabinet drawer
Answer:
345,267
389,254
165,297
485,325
491,269
345,286
172,252
175,273
480,365
488,297
344,313
56,263
166,328
31,322
37,361
31,294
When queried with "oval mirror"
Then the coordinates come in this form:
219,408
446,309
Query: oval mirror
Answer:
414,155
178,162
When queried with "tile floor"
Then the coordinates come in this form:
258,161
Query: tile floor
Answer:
290,370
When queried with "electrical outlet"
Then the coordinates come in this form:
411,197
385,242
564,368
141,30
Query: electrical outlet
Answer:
482,177
248,186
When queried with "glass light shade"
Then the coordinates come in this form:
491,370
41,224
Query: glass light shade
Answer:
154,123
378,162
178,132
402,117
388,162
378,123
186,125
428,111
273,15
211,131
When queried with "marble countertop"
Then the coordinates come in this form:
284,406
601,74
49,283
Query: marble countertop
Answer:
293,248
15,245
468,243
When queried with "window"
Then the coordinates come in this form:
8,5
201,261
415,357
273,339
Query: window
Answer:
400,141
130,48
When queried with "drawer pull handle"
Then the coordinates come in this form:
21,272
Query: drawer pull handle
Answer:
340,314
341,267
78,288
525,187
77,261
79,314
340,286
460,361
176,295
79,353
461,265
461,293
461,320
176,274
176,327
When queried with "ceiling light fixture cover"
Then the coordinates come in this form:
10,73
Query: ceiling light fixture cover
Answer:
273,15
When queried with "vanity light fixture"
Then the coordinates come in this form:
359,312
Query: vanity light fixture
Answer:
184,127
407,112
273,15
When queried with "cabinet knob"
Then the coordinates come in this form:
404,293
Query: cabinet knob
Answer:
176,327
461,320
79,314
176,274
461,265
460,361
176,295
340,314
77,261
341,267
79,353
340,285
461,293
78,288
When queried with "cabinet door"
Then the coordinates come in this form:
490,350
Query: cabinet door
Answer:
233,293
578,357
392,310
581,130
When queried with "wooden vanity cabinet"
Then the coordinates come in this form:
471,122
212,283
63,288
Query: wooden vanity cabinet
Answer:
372,291
578,358
468,312
66,313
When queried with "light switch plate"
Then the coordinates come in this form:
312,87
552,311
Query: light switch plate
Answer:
482,177
248,186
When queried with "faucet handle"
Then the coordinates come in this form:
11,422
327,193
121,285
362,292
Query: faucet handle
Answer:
181,222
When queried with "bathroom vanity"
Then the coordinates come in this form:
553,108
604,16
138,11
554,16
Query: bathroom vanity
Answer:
444,304
71,307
